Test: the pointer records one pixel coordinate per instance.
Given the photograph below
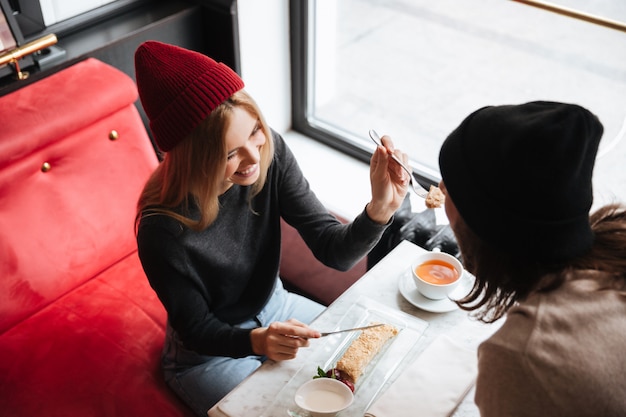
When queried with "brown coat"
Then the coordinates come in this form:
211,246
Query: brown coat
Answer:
560,353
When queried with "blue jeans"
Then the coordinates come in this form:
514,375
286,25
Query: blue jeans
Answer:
201,381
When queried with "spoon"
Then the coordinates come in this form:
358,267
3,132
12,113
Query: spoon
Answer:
415,186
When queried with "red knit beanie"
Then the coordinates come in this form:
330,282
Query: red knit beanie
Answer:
179,88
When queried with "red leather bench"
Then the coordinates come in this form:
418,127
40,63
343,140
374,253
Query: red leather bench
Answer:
80,328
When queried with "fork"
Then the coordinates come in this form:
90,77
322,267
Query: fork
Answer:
415,186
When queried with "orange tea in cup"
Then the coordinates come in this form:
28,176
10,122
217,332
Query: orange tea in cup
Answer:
437,272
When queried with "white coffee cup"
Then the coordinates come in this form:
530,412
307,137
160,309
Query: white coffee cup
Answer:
436,274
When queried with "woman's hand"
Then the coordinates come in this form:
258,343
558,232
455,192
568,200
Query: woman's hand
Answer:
281,340
389,182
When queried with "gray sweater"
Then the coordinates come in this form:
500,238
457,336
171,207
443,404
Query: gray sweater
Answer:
211,280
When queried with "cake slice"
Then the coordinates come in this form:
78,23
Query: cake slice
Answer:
363,349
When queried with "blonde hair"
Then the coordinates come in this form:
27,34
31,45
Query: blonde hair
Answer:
195,168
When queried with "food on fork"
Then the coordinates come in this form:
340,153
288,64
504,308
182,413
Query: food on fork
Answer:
435,197
363,349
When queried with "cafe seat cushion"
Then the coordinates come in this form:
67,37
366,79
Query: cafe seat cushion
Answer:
80,328
93,352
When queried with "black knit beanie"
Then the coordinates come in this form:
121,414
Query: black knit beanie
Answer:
520,177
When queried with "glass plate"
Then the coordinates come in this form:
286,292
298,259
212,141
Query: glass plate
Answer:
328,352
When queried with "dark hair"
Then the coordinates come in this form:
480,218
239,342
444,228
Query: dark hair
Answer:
503,277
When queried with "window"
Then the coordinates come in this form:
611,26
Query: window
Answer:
414,69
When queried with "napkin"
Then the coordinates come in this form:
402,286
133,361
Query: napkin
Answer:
433,385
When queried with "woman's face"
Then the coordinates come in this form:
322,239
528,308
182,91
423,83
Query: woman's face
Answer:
244,138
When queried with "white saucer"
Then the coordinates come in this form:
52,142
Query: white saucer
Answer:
413,296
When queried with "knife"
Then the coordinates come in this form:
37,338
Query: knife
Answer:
354,329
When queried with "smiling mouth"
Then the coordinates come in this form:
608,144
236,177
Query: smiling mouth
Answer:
251,170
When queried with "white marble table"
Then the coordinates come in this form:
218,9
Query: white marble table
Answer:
258,391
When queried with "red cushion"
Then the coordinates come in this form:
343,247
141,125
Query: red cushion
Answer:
62,227
80,328
94,352
47,111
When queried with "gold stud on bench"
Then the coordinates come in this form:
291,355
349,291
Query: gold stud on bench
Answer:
113,135
45,167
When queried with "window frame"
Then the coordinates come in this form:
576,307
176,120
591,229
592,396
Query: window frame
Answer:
300,98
